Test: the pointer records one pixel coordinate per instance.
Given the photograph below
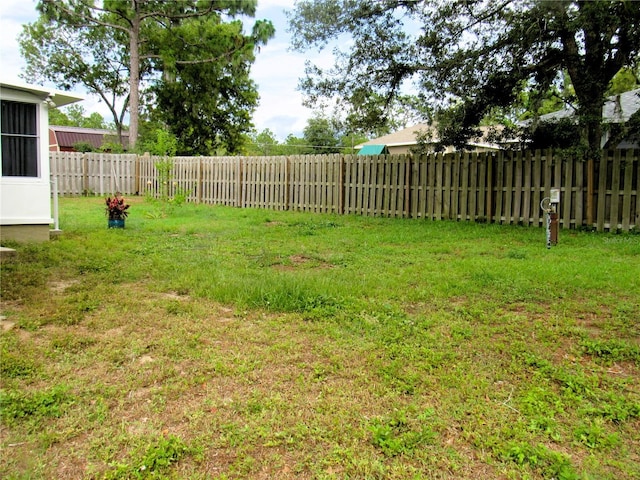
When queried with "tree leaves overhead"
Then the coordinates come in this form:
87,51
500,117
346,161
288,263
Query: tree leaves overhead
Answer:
67,56
472,55
152,39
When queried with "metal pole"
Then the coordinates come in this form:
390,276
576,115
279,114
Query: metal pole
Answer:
56,223
548,218
553,215
545,205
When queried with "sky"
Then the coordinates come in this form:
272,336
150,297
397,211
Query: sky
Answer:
276,70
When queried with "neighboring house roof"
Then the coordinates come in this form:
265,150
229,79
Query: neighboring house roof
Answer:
67,137
403,137
373,150
407,138
617,108
58,97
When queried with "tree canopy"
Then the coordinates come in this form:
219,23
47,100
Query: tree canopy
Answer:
123,45
322,135
76,116
467,56
72,55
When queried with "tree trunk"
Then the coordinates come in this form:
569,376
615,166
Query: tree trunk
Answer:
134,76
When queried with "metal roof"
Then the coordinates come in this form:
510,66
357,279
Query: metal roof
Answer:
69,136
616,109
374,150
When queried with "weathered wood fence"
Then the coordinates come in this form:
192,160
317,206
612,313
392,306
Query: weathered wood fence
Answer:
94,173
502,187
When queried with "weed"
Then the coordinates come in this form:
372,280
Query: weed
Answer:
615,408
595,435
74,308
396,434
16,366
540,400
17,406
71,343
151,460
545,424
16,361
549,463
610,351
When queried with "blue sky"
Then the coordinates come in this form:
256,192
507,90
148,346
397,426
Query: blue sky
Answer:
276,70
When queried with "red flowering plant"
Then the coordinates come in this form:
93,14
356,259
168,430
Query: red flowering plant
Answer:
116,207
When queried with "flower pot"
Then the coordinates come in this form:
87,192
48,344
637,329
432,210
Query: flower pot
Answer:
116,223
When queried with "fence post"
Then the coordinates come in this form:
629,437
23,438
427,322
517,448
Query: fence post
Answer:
590,191
602,192
490,186
341,186
287,183
239,182
408,165
199,182
136,167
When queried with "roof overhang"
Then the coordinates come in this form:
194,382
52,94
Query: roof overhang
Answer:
58,97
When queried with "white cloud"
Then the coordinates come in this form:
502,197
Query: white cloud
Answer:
13,14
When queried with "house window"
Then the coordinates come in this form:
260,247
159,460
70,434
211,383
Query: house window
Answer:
19,139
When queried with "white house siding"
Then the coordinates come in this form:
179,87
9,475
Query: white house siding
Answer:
25,202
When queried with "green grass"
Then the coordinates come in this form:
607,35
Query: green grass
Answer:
221,343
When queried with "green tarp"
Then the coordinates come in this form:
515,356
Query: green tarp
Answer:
374,150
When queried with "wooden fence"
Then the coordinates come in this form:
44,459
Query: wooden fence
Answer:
94,173
502,187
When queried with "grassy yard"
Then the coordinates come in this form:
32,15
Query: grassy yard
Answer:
216,343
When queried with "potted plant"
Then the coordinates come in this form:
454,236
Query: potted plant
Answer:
116,210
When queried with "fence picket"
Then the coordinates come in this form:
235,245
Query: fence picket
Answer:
628,184
635,220
602,192
615,192
517,195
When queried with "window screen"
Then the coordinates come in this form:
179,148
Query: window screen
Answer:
19,139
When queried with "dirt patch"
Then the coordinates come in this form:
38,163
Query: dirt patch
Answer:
174,296
6,325
301,261
60,286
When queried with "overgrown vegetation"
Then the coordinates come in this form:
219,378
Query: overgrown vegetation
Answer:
218,343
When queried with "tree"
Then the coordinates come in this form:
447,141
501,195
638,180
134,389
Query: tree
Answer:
295,145
349,141
147,31
470,56
625,80
322,135
71,55
264,143
208,105
76,116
